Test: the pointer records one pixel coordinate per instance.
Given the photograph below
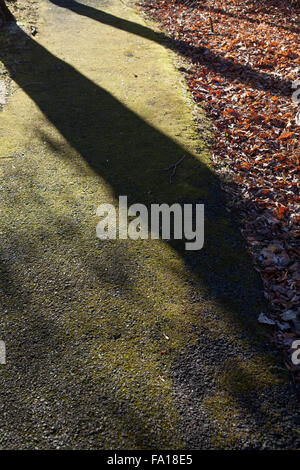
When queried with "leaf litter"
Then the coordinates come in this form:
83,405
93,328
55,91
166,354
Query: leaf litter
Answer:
243,68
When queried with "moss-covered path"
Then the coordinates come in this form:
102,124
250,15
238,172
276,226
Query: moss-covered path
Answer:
121,344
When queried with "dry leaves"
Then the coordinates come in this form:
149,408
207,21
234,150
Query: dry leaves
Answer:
244,61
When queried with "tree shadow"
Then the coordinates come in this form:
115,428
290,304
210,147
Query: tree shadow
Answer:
248,11
126,152
251,20
199,55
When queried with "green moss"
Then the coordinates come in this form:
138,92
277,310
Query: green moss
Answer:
251,375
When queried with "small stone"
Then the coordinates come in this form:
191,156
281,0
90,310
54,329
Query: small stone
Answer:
283,326
289,315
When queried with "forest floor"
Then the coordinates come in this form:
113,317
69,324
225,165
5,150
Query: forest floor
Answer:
121,344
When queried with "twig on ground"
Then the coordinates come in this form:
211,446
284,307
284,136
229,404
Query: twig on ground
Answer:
172,167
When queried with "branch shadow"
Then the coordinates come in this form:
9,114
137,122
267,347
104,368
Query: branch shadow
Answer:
248,11
199,55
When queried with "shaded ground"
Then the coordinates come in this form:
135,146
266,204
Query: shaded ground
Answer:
121,344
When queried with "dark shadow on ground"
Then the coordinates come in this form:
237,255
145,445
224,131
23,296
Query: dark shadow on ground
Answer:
244,12
251,19
124,150
200,55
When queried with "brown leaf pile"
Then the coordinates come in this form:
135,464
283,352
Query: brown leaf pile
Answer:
244,62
